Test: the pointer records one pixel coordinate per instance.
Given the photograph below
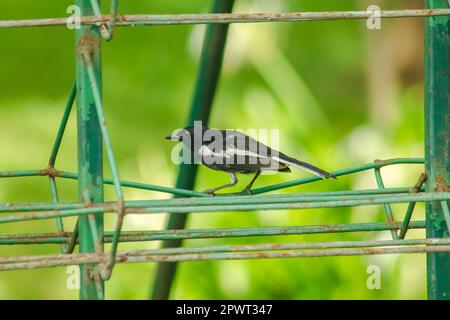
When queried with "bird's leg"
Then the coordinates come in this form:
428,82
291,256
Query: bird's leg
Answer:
248,187
234,181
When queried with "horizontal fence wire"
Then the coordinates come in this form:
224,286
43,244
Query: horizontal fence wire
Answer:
182,234
278,203
264,251
209,18
274,198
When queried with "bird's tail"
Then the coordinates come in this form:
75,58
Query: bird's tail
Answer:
305,166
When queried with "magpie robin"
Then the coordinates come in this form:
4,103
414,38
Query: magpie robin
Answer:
235,152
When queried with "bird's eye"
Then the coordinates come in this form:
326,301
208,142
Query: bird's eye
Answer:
180,138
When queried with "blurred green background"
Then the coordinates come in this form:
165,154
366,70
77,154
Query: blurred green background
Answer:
340,94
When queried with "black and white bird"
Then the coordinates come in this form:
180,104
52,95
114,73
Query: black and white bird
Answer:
234,152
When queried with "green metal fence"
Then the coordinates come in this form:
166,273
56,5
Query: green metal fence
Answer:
97,265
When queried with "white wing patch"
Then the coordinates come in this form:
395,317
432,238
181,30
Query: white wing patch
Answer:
232,151
207,152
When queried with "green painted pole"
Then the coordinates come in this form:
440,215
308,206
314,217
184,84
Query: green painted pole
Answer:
437,55
90,154
207,79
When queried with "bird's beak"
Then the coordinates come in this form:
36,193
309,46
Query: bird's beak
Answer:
171,138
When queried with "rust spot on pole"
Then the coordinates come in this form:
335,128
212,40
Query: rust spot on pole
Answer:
88,43
441,184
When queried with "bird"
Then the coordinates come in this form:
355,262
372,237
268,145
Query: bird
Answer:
233,152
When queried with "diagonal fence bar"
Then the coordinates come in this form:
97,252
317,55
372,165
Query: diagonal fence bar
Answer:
411,206
104,28
59,221
113,17
63,125
338,173
110,154
387,206
54,154
446,213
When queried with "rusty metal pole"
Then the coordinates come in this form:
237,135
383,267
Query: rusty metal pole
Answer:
90,154
208,76
437,157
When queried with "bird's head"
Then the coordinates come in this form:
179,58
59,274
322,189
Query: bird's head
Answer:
179,135
188,134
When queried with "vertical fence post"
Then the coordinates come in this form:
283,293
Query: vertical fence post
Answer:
437,143
208,76
90,154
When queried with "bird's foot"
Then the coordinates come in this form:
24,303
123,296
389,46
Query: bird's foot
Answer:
211,192
247,191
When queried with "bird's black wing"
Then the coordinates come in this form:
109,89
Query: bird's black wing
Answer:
249,154
249,149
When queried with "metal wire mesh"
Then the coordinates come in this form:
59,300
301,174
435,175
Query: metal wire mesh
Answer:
199,202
